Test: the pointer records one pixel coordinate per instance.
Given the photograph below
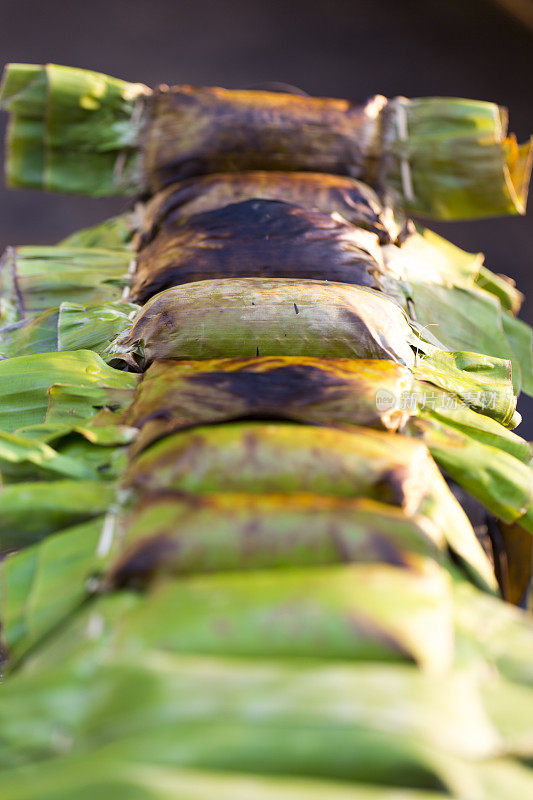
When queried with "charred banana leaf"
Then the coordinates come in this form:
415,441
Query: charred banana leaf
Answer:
257,239
270,458
181,394
354,201
179,535
481,455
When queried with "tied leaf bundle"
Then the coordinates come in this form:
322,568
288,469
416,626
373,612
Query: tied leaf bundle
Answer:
75,130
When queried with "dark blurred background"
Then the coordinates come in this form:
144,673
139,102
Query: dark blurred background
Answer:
350,48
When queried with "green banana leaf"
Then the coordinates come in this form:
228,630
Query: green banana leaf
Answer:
77,112
87,453
30,384
424,256
284,614
105,777
501,482
520,337
478,427
45,583
115,233
71,326
23,459
501,287
497,632
35,279
439,736
481,382
471,320
385,724
31,511
453,159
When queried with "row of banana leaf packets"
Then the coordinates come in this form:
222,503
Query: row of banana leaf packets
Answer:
224,418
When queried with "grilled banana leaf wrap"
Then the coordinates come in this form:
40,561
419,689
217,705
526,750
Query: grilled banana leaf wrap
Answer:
81,131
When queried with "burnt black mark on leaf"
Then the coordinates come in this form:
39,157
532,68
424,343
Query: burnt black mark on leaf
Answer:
291,384
387,552
253,238
143,561
327,193
393,485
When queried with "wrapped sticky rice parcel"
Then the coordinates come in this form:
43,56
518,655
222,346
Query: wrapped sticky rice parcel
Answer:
353,200
277,317
257,239
81,131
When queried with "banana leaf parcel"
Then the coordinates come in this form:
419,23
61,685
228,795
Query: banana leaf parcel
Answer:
256,238
354,201
273,457
81,131
480,454
268,317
